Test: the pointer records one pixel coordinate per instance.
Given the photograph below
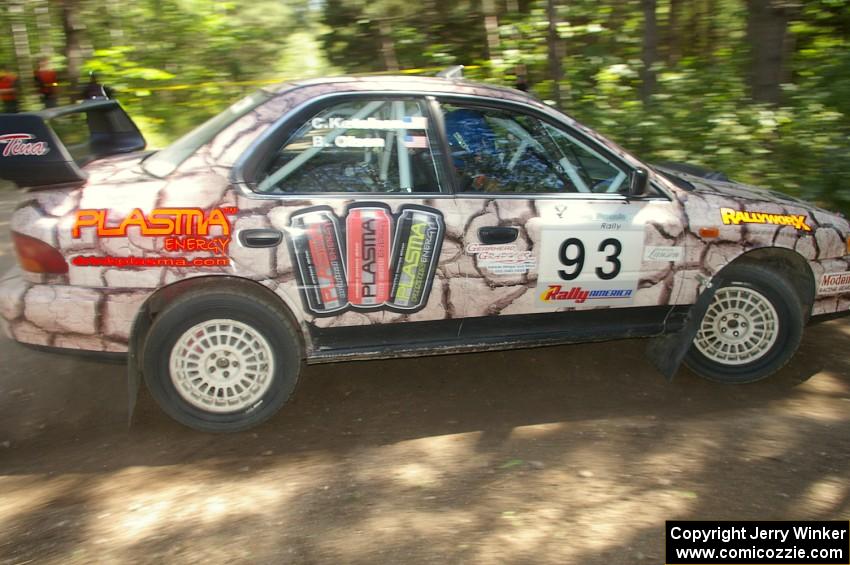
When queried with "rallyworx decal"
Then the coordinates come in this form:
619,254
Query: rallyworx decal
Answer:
184,232
368,260
736,217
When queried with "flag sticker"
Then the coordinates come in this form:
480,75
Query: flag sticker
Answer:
416,142
415,122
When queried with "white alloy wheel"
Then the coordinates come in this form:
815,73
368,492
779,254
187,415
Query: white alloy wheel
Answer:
740,326
221,366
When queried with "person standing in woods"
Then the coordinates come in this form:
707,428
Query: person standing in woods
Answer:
521,78
9,91
46,82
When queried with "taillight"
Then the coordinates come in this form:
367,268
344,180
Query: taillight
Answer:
36,256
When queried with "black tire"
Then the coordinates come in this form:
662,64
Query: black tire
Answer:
790,315
261,316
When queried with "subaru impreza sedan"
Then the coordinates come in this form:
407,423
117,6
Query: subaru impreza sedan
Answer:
362,218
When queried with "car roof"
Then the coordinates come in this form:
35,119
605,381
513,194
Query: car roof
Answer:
402,83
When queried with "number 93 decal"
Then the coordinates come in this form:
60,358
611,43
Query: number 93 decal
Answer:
610,246
586,267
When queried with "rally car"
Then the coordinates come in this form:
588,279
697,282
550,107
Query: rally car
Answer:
358,218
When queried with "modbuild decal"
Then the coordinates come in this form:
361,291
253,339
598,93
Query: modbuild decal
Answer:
372,259
834,283
184,230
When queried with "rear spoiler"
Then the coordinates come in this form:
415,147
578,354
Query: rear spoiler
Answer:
33,155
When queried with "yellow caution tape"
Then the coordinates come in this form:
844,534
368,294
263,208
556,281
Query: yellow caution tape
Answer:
266,82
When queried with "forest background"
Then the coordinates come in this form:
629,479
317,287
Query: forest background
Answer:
759,89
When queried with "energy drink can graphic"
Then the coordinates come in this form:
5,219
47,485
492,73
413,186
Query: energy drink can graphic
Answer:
318,253
416,252
368,235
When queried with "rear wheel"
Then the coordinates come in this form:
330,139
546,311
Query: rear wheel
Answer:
221,361
751,329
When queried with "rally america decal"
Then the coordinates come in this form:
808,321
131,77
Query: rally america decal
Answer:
591,257
369,260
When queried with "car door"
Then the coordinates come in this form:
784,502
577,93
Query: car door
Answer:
550,228
353,200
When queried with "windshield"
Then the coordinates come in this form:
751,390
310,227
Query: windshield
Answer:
163,163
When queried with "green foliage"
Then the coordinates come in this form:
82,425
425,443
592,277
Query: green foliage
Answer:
177,62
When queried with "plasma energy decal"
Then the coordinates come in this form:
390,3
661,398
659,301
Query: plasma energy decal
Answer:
184,230
380,261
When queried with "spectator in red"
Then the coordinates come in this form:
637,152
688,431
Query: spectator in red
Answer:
47,82
9,91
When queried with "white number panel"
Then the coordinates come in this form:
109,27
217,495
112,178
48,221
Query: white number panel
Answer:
593,260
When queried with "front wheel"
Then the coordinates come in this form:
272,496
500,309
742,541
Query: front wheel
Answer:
221,361
751,329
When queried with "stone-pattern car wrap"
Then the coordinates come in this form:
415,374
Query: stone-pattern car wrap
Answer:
93,308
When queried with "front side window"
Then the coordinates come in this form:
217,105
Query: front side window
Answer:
507,152
383,146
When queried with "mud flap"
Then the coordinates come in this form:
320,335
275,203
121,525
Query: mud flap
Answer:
134,381
134,353
667,352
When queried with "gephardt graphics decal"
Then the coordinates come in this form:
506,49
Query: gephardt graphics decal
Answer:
195,237
369,260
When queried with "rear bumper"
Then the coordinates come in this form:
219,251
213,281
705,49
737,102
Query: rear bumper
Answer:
67,317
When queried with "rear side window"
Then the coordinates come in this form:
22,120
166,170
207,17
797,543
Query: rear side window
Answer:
366,146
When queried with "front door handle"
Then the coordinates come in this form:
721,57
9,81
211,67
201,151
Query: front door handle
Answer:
260,237
497,235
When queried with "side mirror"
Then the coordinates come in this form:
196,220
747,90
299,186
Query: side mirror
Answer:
638,182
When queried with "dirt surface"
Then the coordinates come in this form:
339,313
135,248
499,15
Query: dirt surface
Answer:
561,455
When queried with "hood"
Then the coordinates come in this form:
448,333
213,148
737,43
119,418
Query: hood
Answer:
739,192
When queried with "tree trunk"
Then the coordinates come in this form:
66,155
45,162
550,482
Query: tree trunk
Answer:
556,69
73,50
116,29
674,37
387,46
42,22
491,28
767,34
712,37
21,42
649,53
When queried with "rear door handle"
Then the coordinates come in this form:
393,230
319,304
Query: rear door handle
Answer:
260,237
497,235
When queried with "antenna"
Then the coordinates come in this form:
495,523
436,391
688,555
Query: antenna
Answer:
455,71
